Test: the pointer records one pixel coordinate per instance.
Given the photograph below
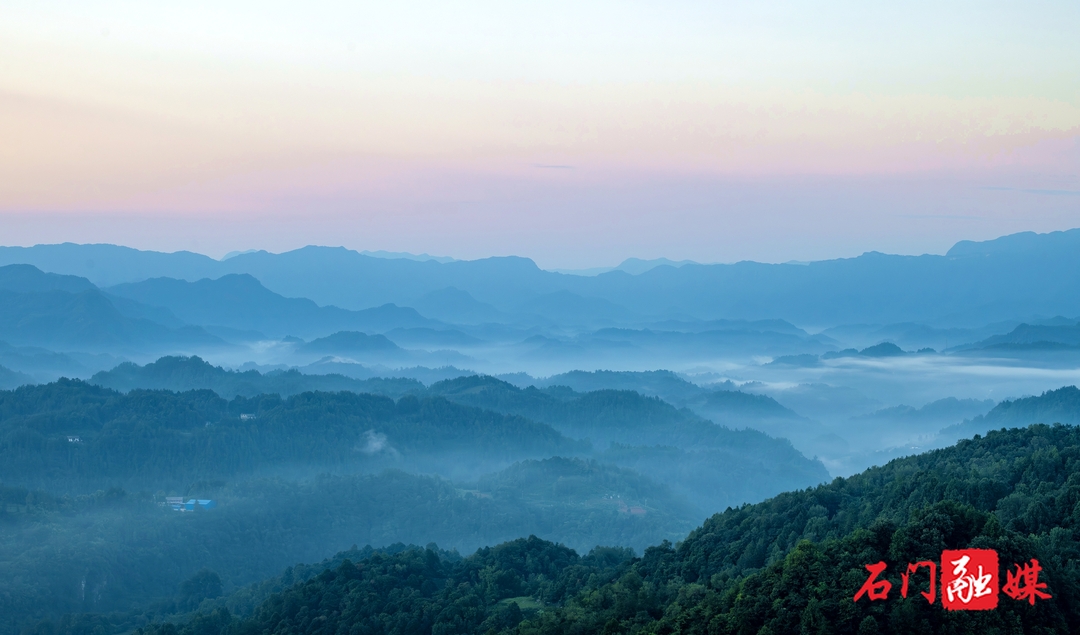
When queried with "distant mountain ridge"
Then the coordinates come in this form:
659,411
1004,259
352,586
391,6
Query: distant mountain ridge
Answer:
632,266
240,301
64,311
1030,274
350,342
88,321
1033,336
13,379
721,401
1053,406
181,374
166,315
21,278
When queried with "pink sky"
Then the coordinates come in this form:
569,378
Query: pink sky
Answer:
574,135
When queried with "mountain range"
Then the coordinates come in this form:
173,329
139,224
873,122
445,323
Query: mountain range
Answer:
1012,277
790,564
239,301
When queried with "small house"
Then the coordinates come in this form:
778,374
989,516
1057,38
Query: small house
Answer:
177,503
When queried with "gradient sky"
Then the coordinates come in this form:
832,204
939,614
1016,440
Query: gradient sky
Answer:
578,134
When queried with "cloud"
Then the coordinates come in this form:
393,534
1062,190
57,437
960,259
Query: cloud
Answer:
375,443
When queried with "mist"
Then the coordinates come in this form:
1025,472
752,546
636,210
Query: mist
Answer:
177,431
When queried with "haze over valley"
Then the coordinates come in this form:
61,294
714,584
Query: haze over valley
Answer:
850,372
407,401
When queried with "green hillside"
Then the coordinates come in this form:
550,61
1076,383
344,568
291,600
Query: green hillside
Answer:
123,553
700,460
606,415
789,565
192,373
1053,406
72,434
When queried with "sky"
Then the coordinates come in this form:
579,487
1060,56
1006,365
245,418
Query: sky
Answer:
578,134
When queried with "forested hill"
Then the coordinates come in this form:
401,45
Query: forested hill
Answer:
644,433
789,565
622,416
71,434
192,373
121,554
707,463
602,402
1053,406
604,415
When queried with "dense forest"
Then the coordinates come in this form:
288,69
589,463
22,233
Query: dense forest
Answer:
790,564
86,472
622,427
72,434
554,402
599,402
115,551
653,437
1053,406
182,374
88,545
605,415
